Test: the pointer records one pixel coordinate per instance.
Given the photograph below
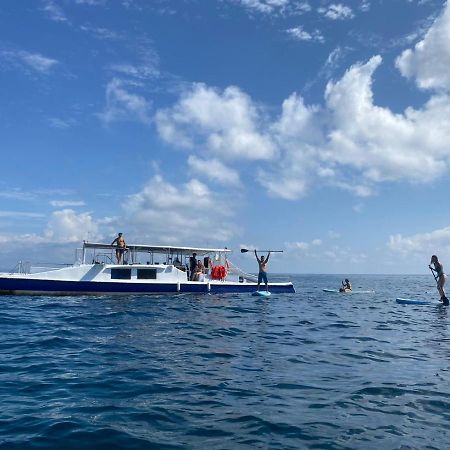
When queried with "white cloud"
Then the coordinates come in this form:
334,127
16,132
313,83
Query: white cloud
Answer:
264,6
68,226
140,71
428,62
215,170
165,213
365,5
100,32
349,142
275,7
66,203
54,11
91,2
424,244
36,61
337,11
61,124
22,214
227,124
333,234
124,105
299,34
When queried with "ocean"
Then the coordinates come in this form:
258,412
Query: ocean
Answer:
309,370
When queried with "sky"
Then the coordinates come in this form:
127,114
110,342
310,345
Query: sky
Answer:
316,127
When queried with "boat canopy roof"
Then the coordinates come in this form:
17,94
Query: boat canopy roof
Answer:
158,248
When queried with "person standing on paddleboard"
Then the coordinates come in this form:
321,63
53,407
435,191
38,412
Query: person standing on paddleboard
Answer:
441,278
262,274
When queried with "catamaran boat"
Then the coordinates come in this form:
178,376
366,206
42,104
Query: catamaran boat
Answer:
144,269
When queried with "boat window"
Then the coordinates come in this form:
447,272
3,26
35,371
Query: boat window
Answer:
121,274
146,274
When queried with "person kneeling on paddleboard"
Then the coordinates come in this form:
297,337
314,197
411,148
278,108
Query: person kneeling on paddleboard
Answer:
262,274
346,286
440,277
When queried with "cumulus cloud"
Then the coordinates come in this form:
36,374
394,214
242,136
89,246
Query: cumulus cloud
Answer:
166,213
227,124
121,104
348,142
337,11
68,226
215,170
421,243
428,62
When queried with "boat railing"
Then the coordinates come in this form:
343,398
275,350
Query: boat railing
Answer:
44,267
25,267
103,258
22,267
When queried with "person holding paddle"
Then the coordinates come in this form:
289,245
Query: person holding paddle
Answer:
262,274
440,277
346,286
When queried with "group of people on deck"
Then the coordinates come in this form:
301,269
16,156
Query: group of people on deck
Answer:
197,269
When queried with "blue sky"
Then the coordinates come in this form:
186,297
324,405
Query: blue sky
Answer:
321,128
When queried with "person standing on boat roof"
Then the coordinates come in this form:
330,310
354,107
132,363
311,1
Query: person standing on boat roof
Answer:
262,274
441,278
121,247
192,266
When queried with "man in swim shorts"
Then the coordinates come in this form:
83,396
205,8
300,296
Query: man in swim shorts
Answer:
262,274
121,247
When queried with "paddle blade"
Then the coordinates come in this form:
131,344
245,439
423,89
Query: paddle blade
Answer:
244,250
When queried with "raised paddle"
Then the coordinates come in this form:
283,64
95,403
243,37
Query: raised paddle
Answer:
245,250
436,278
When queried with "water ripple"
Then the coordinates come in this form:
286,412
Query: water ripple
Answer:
310,370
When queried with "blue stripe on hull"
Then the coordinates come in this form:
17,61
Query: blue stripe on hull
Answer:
57,287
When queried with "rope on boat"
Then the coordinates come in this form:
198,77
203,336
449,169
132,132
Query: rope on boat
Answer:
236,270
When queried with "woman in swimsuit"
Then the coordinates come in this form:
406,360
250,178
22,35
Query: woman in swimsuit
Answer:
346,286
441,278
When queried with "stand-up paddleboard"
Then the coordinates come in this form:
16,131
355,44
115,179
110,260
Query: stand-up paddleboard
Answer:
261,294
337,291
412,301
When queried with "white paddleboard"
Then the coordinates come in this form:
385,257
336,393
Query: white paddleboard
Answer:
261,294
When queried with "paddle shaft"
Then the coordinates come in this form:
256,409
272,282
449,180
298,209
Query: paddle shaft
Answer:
244,250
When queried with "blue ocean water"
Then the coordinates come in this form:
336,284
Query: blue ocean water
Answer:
307,370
